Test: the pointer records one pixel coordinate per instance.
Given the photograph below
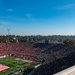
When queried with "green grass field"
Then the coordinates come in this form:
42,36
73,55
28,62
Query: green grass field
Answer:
13,64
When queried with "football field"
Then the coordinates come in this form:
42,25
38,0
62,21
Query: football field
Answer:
12,65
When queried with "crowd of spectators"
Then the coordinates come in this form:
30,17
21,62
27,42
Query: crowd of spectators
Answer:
56,56
16,48
56,66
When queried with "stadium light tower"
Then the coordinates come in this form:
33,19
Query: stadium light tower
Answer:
8,29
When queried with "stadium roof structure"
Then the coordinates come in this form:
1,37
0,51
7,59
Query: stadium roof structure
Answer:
68,71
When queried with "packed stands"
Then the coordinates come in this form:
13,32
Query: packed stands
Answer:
54,57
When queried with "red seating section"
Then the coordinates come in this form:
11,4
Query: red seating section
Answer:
16,48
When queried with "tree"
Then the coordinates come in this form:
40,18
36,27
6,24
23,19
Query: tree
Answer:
69,41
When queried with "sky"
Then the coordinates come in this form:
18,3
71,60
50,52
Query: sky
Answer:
37,17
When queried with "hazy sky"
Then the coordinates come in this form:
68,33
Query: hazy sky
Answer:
37,17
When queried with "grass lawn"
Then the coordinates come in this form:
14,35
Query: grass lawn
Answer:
13,64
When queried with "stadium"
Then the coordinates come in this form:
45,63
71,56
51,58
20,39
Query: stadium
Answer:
37,37
12,57
16,57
